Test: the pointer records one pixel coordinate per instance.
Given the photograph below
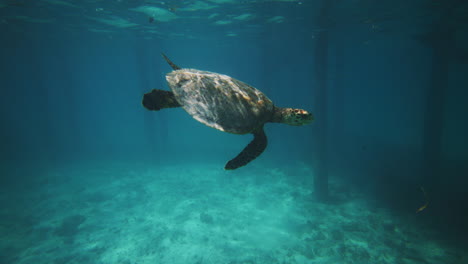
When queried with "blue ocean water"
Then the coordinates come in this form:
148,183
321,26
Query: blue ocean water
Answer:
88,175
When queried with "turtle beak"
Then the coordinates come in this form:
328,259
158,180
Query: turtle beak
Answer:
307,117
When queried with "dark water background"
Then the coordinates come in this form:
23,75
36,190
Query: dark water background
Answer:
386,80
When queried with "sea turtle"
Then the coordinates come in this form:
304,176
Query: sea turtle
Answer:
224,103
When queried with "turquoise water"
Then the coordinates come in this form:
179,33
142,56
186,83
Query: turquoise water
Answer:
88,175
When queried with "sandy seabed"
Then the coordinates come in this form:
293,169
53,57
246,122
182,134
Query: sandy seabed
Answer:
141,213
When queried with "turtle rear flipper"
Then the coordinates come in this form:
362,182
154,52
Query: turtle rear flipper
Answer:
159,99
251,152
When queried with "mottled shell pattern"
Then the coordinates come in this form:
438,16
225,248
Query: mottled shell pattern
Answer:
220,101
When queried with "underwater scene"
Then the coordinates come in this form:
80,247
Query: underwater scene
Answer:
234,132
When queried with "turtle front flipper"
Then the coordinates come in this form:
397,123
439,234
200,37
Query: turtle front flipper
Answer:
251,152
173,66
159,99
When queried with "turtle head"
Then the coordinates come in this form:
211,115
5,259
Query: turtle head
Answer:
292,116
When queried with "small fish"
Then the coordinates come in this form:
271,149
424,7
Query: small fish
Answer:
427,201
151,19
421,208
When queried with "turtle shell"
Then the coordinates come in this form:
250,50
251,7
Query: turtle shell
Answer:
220,101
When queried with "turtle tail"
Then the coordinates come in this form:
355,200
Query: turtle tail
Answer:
251,152
159,99
173,66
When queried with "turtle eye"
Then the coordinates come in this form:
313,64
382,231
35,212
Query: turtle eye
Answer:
182,81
